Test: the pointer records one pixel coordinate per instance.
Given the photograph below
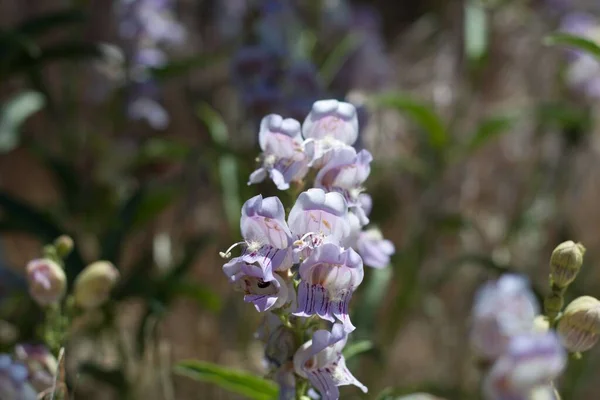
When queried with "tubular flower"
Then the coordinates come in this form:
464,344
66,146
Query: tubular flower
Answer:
329,276
320,360
285,157
374,249
502,309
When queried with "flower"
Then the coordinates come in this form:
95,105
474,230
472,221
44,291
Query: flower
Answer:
502,309
253,274
320,360
345,172
530,361
332,125
40,363
263,222
579,326
13,380
47,281
565,263
94,284
285,157
374,249
318,216
329,276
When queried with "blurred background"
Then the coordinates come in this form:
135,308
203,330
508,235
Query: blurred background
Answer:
131,125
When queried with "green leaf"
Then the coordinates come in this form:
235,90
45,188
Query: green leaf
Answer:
153,203
204,296
421,113
13,114
161,149
574,41
374,293
214,122
489,129
181,67
476,30
57,19
356,348
235,381
228,170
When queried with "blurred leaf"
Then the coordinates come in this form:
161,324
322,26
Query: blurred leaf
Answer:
356,348
239,382
204,296
574,41
114,377
161,149
228,170
489,129
214,122
372,296
421,113
476,30
154,202
27,60
121,224
57,19
14,112
338,57
181,67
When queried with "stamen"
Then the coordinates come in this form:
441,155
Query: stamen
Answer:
227,253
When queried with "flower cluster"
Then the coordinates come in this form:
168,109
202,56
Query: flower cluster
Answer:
145,26
521,351
304,269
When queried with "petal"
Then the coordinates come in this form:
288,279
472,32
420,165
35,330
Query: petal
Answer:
263,221
257,176
317,211
278,136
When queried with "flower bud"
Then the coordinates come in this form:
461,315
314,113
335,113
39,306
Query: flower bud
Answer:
565,263
64,245
579,326
47,281
94,283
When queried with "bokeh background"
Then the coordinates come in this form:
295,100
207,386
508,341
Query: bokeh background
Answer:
132,124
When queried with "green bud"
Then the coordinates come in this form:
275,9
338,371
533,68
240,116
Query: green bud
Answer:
64,245
565,263
94,284
541,324
553,303
579,326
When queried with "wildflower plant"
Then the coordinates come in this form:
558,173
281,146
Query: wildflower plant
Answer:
301,268
521,352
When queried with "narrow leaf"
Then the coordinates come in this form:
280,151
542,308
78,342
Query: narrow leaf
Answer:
574,41
489,129
476,30
356,348
421,113
14,113
336,59
239,382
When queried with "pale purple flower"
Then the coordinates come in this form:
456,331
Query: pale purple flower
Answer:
40,363
263,223
329,276
285,157
150,110
14,380
374,249
320,360
530,361
317,217
345,172
253,274
331,124
502,309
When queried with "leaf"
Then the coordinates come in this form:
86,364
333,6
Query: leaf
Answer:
574,41
356,348
228,170
161,149
14,113
235,381
489,129
155,202
214,122
374,293
203,295
181,67
338,57
421,113
476,30
57,19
